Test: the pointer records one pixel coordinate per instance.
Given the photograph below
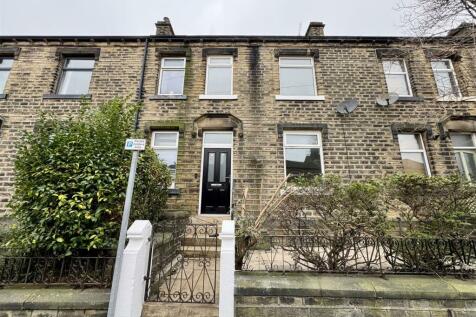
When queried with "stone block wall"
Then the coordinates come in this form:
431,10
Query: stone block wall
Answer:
360,146
31,302
326,295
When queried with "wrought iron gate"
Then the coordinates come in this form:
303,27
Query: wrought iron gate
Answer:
183,263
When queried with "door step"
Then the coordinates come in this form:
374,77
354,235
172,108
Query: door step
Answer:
179,310
201,252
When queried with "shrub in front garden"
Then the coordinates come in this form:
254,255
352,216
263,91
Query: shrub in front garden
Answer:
70,181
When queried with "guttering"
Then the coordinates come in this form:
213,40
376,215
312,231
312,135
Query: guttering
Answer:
222,38
140,88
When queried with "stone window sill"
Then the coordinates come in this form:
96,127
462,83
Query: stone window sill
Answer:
410,98
168,97
173,192
56,96
3,96
456,99
218,97
303,98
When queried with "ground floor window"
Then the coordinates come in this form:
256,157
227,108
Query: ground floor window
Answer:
165,144
303,153
465,151
413,154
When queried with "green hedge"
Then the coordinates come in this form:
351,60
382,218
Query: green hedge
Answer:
71,176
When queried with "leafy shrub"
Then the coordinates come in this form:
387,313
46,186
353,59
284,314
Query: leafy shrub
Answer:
437,206
71,177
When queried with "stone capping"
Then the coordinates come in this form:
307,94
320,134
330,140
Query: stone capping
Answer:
10,51
217,122
173,52
58,96
302,284
53,299
220,51
456,123
410,128
391,53
164,125
432,53
410,99
281,127
281,52
78,51
3,96
168,97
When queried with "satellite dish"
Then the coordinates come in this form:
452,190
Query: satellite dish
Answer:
386,100
347,106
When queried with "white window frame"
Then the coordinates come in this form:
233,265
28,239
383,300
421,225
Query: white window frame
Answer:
422,150
163,67
314,82
451,70
167,147
230,65
462,149
65,70
407,77
303,146
6,70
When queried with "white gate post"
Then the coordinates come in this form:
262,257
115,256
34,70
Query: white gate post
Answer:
130,295
227,269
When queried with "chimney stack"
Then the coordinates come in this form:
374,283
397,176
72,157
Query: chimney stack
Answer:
315,29
164,27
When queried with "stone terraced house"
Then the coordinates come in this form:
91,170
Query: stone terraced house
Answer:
233,112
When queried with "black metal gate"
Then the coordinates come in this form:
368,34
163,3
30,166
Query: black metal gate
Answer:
183,263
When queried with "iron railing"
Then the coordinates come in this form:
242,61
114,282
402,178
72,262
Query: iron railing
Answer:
350,254
183,266
82,269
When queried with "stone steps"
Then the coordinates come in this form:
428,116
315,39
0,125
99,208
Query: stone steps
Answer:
179,310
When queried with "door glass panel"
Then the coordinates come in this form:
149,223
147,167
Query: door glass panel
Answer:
222,167
211,167
414,163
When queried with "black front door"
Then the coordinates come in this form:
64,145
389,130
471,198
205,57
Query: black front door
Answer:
216,181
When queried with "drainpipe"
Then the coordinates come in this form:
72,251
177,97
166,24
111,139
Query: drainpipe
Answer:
140,88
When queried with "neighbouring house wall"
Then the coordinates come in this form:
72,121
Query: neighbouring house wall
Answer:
59,302
326,295
344,69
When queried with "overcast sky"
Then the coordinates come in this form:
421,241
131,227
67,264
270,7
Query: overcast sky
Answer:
189,17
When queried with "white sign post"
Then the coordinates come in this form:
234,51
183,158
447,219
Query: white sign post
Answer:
135,145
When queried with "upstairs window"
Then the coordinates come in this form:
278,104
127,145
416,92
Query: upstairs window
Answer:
5,67
413,154
219,76
165,144
296,76
445,78
396,76
465,151
303,153
76,76
172,76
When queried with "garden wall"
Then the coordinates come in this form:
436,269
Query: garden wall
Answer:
324,295
28,302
